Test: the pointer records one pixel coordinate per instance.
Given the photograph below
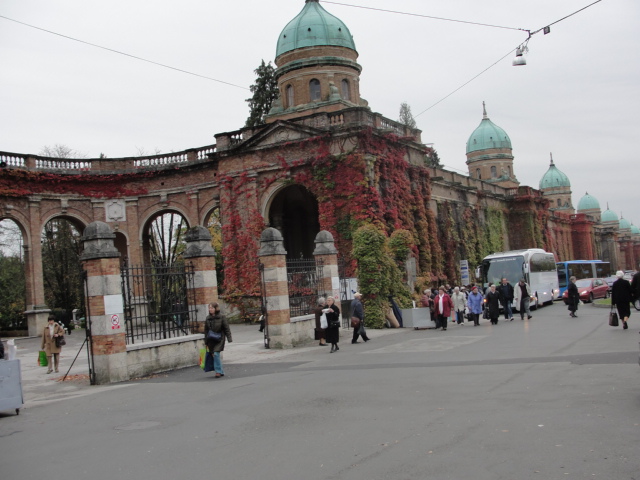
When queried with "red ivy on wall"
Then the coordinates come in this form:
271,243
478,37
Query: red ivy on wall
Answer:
21,183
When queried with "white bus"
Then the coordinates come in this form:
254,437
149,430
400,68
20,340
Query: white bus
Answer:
536,266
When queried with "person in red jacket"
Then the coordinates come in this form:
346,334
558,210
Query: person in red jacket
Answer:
443,306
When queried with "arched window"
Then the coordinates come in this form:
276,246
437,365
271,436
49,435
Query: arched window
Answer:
494,172
478,174
346,94
290,102
559,202
314,90
509,170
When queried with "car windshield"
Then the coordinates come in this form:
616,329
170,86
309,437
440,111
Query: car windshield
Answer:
583,283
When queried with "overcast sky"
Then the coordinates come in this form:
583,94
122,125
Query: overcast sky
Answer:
577,97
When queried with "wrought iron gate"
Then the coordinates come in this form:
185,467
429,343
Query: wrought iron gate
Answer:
303,278
159,301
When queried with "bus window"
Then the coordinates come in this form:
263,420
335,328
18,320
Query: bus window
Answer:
542,263
603,269
562,276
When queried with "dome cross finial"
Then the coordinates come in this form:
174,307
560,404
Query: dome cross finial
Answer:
551,155
484,110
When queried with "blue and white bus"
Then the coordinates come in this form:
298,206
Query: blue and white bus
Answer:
536,266
580,269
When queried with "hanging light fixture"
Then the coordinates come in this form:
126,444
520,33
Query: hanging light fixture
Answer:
520,60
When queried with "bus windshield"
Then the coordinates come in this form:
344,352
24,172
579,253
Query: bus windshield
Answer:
495,269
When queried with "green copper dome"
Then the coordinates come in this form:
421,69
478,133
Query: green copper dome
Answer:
635,230
487,135
588,203
554,178
608,216
314,27
624,223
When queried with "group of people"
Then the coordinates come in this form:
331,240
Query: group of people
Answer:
327,314
446,303
623,294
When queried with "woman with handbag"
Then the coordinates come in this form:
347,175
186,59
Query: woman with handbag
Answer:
216,331
621,298
320,330
333,319
52,348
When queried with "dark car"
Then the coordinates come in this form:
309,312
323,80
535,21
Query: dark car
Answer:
589,289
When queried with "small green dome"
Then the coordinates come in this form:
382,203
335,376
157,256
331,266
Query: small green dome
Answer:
314,27
624,224
635,230
487,135
608,216
554,178
588,203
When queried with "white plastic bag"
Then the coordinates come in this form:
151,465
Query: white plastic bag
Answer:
11,346
323,321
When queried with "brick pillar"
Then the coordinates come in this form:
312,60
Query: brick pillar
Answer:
202,255
37,311
101,260
273,257
326,254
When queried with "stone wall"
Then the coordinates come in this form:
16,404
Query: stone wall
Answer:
162,355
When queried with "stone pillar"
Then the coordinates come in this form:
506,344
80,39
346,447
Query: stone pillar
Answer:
327,255
101,260
273,257
202,256
37,311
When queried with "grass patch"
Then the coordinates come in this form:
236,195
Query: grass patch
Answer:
603,301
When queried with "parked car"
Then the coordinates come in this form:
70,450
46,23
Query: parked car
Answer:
609,281
589,289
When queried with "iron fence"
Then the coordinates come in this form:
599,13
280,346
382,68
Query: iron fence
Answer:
159,301
303,276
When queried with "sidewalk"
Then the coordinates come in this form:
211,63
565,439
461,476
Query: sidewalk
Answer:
40,388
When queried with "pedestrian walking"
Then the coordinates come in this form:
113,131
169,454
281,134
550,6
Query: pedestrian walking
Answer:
505,289
522,298
475,303
459,304
320,331
493,304
635,287
443,308
621,298
52,348
357,311
219,326
333,319
573,297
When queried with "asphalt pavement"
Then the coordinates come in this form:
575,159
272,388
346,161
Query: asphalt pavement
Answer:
549,398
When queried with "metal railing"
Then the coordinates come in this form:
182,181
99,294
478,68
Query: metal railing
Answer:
303,277
159,301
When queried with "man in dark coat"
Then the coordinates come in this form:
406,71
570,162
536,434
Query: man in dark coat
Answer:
573,299
505,290
621,298
357,311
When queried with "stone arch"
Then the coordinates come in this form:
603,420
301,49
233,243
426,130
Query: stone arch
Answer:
162,235
76,220
293,210
20,222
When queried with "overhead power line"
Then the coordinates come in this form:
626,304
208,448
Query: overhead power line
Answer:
505,56
426,16
125,54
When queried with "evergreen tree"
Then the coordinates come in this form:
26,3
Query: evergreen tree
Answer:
406,117
431,159
265,91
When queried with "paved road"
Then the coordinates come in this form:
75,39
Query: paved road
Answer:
550,398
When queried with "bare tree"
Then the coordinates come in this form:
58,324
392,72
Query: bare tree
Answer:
61,151
10,238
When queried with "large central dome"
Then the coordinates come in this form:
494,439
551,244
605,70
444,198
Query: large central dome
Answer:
314,27
488,135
